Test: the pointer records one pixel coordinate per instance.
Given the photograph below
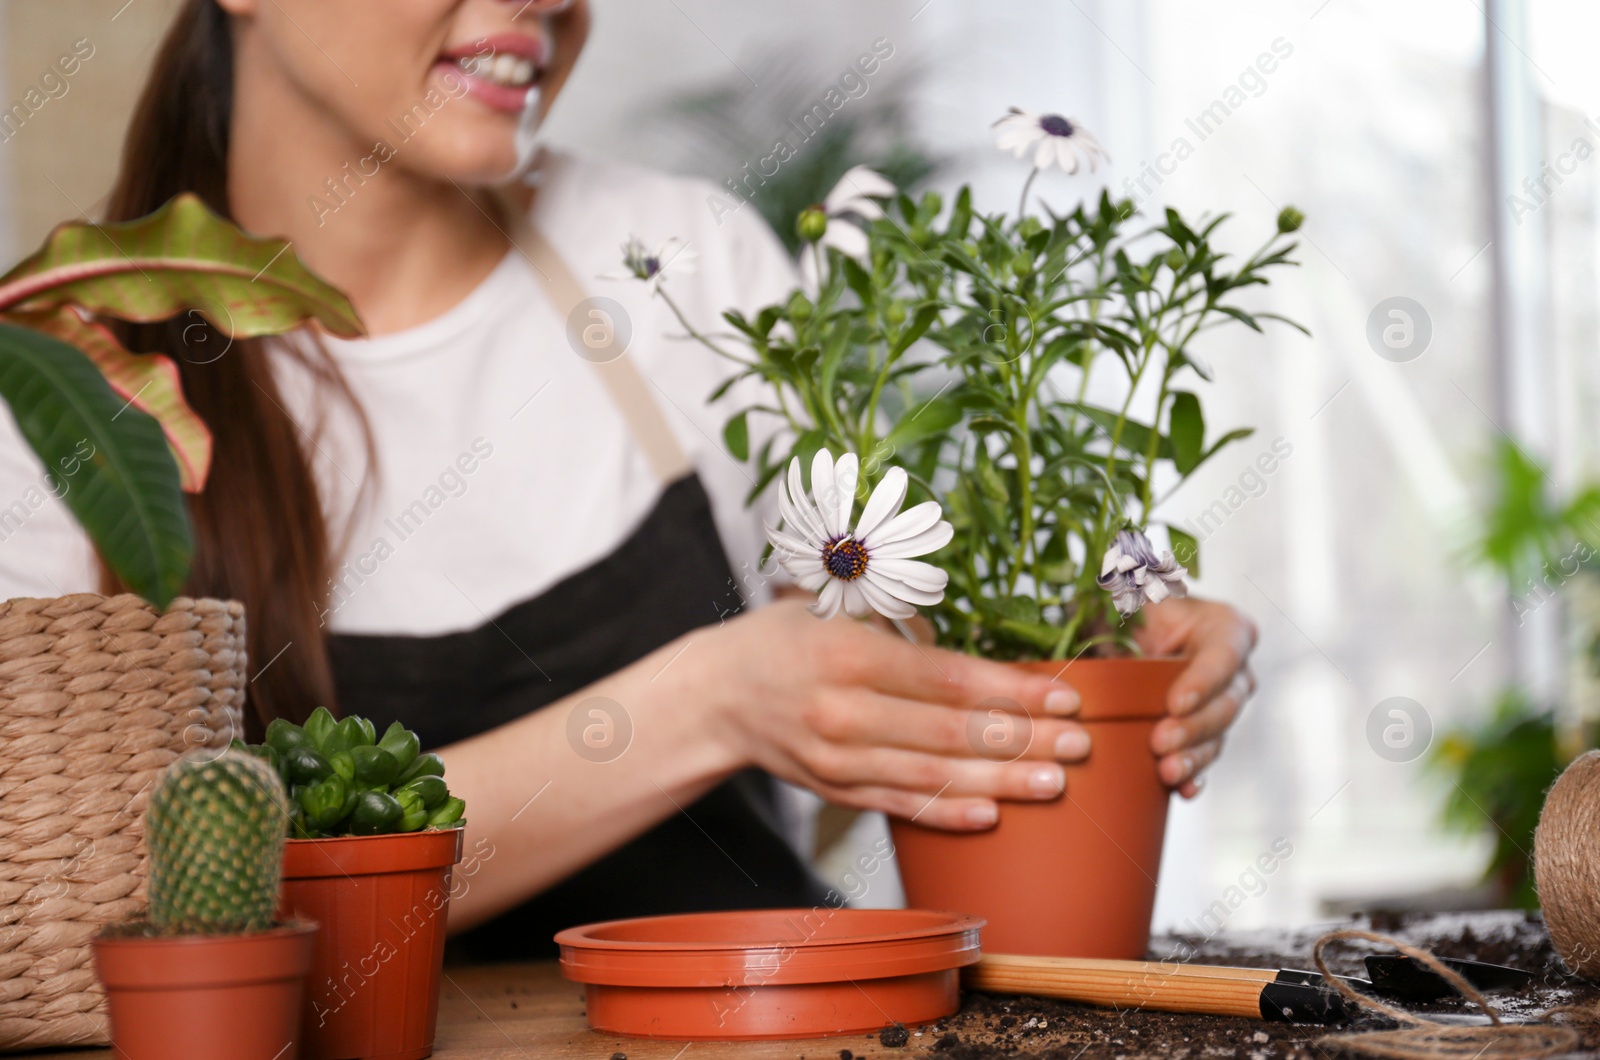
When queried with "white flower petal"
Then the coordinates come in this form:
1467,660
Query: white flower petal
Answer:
915,573
1045,154
846,477
900,590
930,540
847,239
813,583
1155,590
825,494
884,503
908,523
828,601
856,604
811,520
882,602
789,548
857,183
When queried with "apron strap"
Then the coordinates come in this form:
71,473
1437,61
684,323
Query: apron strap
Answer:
626,385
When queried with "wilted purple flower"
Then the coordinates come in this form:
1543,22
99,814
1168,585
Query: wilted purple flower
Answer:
1134,575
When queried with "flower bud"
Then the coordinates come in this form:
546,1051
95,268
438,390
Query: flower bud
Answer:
1290,219
812,224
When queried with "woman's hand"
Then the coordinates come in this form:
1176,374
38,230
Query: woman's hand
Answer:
869,720
1207,696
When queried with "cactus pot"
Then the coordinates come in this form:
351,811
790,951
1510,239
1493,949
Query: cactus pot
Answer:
1075,877
384,901
200,997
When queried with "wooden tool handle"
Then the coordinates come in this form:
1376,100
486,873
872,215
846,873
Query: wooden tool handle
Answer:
1124,984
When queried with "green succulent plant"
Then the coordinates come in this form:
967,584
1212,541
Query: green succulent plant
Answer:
344,779
215,830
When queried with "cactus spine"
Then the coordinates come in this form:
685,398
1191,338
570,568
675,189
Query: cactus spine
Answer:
215,830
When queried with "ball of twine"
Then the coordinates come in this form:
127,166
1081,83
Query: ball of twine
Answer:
1566,864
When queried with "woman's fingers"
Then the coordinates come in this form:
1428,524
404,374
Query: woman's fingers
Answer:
942,811
994,732
1175,735
1181,769
1218,641
895,666
844,766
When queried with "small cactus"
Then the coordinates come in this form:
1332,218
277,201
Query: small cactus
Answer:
215,829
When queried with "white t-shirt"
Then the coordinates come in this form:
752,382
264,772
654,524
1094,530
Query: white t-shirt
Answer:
503,465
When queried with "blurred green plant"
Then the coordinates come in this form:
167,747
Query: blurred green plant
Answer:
722,128
1501,768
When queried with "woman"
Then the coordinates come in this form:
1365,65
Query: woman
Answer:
467,517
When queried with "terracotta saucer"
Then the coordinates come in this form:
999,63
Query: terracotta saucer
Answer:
770,973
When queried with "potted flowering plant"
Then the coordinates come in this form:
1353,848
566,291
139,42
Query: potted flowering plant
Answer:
951,357
373,836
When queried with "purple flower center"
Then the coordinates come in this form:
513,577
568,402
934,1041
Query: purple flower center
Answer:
652,265
846,559
1056,125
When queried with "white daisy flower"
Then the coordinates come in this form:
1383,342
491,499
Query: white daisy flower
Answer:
639,263
1134,575
1053,139
869,567
857,193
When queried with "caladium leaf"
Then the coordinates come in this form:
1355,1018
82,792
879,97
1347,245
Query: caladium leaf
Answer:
108,461
179,258
147,381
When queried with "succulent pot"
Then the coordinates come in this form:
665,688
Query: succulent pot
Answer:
383,902
770,973
199,997
1075,877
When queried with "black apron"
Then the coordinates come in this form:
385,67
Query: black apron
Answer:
725,851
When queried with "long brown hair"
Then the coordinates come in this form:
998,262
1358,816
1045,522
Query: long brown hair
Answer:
261,534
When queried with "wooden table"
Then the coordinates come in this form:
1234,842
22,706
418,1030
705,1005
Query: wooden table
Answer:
528,1012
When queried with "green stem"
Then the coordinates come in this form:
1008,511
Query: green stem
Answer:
1022,203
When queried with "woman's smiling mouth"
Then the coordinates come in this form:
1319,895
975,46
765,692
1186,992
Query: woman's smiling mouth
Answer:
500,71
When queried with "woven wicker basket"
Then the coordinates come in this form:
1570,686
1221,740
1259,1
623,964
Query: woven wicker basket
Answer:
97,695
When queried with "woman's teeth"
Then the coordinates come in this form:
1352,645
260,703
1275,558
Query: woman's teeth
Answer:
508,71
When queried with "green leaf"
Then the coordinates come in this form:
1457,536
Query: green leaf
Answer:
109,461
148,381
1185,548
960,215
1187,431
736,435
935,416
913,331
182,257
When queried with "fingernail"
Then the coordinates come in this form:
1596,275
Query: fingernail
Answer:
983,816
1072,745
1047,781
1188,767
1062,700
1188,701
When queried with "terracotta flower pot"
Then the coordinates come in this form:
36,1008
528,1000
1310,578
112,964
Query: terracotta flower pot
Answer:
1075,877
769,973
383,903
203,997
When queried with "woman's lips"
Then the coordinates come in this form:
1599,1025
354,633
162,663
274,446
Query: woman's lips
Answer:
491,94
501,71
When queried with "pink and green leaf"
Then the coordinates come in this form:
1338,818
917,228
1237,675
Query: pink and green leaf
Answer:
182,257
148,382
